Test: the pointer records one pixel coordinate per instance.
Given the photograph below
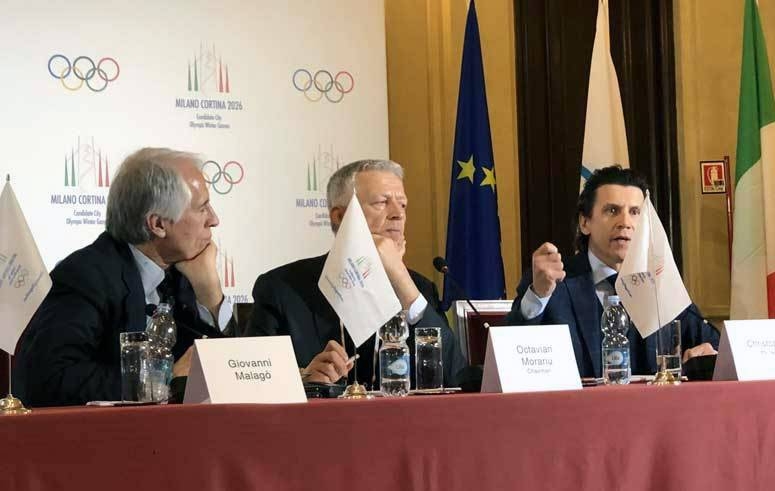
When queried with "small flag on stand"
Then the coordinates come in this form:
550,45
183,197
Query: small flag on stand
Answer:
649,284
24,280
353,279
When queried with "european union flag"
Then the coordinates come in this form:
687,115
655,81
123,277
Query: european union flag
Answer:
473,227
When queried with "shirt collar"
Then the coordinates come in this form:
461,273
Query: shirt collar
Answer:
151,274
600,271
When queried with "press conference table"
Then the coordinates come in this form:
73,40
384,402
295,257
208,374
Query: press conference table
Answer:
697,436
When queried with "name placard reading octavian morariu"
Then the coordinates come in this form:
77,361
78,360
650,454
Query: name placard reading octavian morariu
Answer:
529,359
255,370
746,351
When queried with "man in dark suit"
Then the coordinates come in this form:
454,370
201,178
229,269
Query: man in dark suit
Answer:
157,226
550,293
287,300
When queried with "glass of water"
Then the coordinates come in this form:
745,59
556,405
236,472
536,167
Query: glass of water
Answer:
134,366
669,348
428,365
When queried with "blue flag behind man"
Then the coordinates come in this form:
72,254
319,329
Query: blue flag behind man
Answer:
473,228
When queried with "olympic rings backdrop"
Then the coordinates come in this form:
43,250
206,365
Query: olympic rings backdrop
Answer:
274,97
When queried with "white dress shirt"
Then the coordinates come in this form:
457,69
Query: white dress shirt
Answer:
151,275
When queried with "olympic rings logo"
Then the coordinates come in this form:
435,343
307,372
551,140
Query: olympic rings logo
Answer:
84,71
323,84
222,180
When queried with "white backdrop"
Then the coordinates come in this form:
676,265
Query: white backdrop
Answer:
216,78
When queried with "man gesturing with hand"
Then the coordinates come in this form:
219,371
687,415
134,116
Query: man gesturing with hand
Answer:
573,292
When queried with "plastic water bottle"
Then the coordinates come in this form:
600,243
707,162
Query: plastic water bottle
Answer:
162,335
616,347
394,357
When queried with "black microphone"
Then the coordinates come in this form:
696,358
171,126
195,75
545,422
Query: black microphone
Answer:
442,267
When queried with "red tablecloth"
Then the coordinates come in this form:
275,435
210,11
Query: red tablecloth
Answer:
698,436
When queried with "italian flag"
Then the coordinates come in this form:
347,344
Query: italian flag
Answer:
753,247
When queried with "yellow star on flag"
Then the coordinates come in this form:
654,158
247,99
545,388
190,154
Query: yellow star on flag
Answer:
489,178
467,169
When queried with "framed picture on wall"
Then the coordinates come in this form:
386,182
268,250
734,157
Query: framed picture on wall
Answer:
714,179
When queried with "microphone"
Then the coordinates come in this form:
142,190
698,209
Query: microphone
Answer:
442,267
440,264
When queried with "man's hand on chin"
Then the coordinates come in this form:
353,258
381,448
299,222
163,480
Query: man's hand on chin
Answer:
392,255
203,275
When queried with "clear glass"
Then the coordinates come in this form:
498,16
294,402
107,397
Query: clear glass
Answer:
669,348
428,365
394,357
134,366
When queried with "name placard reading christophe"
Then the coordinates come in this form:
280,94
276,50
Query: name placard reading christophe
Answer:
746,351
529,359
255,370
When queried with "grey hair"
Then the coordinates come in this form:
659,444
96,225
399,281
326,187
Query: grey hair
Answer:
340,185
147,183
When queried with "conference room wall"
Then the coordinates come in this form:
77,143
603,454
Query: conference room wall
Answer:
424,42
708,37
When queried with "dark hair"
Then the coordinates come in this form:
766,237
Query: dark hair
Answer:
613,174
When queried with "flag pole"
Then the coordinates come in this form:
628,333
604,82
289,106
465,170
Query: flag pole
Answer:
662,377
10,405
728,194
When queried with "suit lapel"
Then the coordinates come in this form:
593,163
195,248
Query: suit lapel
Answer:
134,302
586,306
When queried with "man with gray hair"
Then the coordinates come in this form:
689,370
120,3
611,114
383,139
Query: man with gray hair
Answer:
157,247
287,300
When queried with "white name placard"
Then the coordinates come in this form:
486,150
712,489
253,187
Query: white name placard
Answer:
746,351
253,370
529,359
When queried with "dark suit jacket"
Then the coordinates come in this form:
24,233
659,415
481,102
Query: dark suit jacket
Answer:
574,302
287,301
69,353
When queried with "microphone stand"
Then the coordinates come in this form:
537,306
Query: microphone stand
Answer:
462,293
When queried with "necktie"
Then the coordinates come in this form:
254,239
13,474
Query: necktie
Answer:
166,288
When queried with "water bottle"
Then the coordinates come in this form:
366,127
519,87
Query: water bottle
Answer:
616,347
394,357
162,335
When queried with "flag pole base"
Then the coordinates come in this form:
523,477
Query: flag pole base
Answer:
11,406
663,377
356,391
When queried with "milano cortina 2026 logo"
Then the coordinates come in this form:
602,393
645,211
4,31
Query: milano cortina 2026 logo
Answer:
83,72
320,168
208,89
86,171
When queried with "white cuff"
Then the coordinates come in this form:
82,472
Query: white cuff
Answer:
416,310
224,313
532,305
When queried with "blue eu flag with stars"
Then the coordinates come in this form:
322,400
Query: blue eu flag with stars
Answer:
473,228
